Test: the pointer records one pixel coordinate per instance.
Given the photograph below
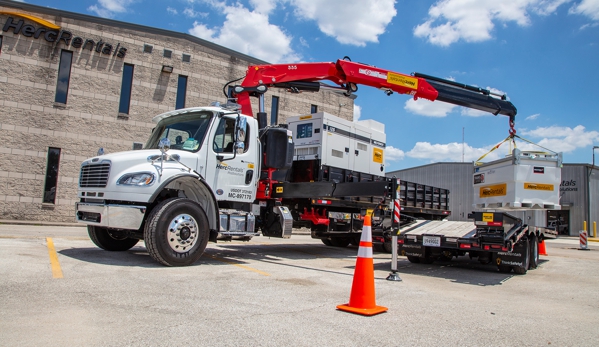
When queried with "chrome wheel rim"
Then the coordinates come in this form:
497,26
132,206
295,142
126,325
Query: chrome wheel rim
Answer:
182,233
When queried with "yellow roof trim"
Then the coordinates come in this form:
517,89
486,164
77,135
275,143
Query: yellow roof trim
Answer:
34,19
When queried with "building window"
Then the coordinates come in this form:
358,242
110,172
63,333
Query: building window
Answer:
64,76
186,58
313,108
51,175
148,49
274,110
126,87
167,53
181,91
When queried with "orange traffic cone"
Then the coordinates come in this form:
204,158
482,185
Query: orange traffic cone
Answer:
542,248
362,298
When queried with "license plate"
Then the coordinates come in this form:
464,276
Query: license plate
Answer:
433,241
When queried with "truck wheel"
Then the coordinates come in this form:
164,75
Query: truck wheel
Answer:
521,270
110,240
177,232
340,242
534,251
387,246
326,242
413,259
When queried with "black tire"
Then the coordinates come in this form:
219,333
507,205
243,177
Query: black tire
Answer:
521,270
177,232
388,247
110,240
340,242
413,259
534,252
327,242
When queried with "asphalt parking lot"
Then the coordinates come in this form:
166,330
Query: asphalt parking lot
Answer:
58,289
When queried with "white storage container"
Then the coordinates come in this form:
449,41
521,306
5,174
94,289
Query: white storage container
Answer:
524,180
336,142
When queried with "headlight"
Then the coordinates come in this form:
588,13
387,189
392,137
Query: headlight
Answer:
137,179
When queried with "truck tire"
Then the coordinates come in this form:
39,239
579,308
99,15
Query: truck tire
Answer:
521,270
177,232
534,252
110,240
340,242
388,247
413,259
327,242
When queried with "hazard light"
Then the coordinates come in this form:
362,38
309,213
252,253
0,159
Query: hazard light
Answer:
322,202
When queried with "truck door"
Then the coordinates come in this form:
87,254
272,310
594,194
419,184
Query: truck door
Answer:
232,160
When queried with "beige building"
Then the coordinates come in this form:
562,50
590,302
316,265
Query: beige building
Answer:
71,84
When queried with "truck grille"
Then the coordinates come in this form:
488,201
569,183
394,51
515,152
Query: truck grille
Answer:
94,175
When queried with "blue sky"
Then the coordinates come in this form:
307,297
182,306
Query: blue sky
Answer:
542,53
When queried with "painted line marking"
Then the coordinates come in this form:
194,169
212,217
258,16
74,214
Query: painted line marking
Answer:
56,270
238,265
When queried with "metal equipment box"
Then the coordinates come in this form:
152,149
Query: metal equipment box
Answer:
336,142
523,180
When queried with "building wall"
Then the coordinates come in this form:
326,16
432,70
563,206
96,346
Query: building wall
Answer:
31,121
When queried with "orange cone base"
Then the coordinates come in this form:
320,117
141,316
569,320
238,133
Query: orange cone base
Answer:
363,311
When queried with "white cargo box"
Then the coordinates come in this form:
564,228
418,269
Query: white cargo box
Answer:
339,143
524,180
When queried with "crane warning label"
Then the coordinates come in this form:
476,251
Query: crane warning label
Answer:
402,80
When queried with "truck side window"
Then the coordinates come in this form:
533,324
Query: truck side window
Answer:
224,137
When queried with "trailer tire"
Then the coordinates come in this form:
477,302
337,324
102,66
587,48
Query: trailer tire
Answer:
521,270
534,252
413,259
110,240
177,232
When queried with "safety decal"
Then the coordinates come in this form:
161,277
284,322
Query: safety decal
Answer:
377,155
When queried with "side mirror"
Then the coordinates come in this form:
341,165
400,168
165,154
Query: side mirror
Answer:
164,145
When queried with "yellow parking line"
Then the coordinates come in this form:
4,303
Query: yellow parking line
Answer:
238,265
56,270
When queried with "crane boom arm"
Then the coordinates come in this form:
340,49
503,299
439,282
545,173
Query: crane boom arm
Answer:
346,75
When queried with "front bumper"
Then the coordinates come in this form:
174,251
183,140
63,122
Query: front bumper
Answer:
110,216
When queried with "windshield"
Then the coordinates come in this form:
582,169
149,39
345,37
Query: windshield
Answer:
186,131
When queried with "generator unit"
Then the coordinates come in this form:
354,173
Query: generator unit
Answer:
329,148
523,180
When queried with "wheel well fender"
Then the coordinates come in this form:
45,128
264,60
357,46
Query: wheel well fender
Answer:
198,190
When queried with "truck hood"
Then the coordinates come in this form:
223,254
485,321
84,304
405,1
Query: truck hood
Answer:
122,163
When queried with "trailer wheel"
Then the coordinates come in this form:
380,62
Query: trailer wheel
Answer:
177,232
110,240
413,259
340,241
521,270
534,252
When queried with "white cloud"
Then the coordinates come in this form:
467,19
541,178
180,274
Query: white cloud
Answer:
249,32
533,117
429,108
353,22
171,10
393,154
563,139
108,8
589,8
264,6
473,20
191,13
357,112
450,152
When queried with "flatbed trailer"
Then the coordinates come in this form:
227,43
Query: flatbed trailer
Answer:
494,238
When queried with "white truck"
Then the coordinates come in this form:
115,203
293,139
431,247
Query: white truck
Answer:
217,172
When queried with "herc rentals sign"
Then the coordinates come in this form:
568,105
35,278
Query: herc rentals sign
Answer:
55,34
